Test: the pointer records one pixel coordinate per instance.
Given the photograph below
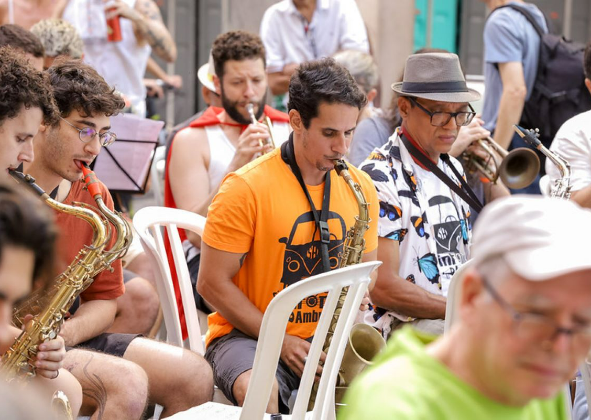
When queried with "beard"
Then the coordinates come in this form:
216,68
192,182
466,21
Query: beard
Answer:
231,108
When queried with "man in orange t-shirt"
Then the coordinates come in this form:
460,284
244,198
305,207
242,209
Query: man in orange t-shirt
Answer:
261,233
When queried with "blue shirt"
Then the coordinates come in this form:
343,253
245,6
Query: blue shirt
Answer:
508,37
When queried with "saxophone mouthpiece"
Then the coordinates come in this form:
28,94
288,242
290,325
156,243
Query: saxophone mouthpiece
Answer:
340,165
530,136
92,182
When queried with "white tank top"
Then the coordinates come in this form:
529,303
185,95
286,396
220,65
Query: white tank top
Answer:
221,153
122,63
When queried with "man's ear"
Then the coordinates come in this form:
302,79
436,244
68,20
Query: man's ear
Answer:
471,288
295,120
403,107
588,84
42,128
218,84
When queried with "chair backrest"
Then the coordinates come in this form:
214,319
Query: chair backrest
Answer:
453,294
152,223
157,174
272,332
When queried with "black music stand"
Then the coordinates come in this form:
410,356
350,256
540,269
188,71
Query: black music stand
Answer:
125,165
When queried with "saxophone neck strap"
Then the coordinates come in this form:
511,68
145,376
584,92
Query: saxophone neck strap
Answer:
288,156
463,191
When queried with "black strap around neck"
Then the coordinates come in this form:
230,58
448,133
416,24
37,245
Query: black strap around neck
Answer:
288,156
464,191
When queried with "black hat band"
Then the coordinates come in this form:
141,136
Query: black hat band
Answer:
434,87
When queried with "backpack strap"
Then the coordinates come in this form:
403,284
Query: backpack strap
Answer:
527,15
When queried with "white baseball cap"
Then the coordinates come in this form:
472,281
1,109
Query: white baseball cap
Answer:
205,74
539,238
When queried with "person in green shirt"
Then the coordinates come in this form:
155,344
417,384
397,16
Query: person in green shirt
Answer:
523,327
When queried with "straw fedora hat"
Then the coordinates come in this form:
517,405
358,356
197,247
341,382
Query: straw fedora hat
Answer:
435,76
205,74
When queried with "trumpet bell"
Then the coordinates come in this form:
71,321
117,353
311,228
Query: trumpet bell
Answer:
519,168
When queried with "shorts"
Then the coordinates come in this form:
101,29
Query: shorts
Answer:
233,354
108,343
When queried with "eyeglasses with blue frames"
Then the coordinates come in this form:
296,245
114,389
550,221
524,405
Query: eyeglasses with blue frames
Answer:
86,134
440,119
537,327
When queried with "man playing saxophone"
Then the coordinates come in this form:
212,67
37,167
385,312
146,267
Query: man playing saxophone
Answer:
115,381
425,202
266,226
573,143
27,240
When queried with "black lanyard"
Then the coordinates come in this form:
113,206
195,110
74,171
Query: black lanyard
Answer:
464,191
288,157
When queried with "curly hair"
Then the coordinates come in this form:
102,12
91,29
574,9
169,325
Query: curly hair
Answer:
23,86
25,222
18,37
321,81
77,86
58,38
236,45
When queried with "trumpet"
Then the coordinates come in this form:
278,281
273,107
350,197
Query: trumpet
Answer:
266,121
517,169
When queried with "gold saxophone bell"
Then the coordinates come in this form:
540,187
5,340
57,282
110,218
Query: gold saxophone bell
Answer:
517,169
266,121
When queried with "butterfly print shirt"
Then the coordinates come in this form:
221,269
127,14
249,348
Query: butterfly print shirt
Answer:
418,210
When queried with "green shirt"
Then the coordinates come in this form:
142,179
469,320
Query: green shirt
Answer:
407,383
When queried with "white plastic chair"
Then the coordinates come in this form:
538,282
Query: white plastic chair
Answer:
272,332
151,224
157,174
453,293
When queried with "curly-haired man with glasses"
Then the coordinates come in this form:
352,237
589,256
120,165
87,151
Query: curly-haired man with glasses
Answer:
118,381
425,202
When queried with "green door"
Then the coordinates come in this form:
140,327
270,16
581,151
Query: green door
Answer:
436,24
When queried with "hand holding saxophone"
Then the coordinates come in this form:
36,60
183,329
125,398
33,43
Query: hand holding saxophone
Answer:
50,358
294,352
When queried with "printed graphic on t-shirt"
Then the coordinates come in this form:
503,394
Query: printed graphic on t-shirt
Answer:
303,259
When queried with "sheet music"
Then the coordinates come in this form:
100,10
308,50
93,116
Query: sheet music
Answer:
133,151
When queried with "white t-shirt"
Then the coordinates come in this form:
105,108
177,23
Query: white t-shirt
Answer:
573,143
418,210
336,25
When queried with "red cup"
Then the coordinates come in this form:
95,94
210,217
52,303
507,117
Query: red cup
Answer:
113,28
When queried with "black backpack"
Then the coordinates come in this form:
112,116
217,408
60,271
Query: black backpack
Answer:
559,91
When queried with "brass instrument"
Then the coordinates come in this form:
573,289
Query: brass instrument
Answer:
517,169
364,341
562,186
17,361
266,121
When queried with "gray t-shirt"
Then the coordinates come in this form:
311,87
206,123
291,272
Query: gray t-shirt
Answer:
508,37
370,133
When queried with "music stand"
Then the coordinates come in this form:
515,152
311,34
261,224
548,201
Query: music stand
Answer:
125,165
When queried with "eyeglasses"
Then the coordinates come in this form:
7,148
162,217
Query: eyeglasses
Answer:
440,119
539,328
86,134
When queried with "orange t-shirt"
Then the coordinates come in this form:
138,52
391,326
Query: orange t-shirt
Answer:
75,233
262,210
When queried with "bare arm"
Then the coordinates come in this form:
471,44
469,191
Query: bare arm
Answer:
395,293
582,197
215,284
279,81
91,319
149,26
512,101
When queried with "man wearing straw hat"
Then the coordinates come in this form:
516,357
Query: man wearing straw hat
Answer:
425,202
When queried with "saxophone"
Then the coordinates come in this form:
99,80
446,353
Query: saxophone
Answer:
562,186
17,362
364,341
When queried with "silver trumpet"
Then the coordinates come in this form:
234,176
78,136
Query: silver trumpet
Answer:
562,186
517,169
266,121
